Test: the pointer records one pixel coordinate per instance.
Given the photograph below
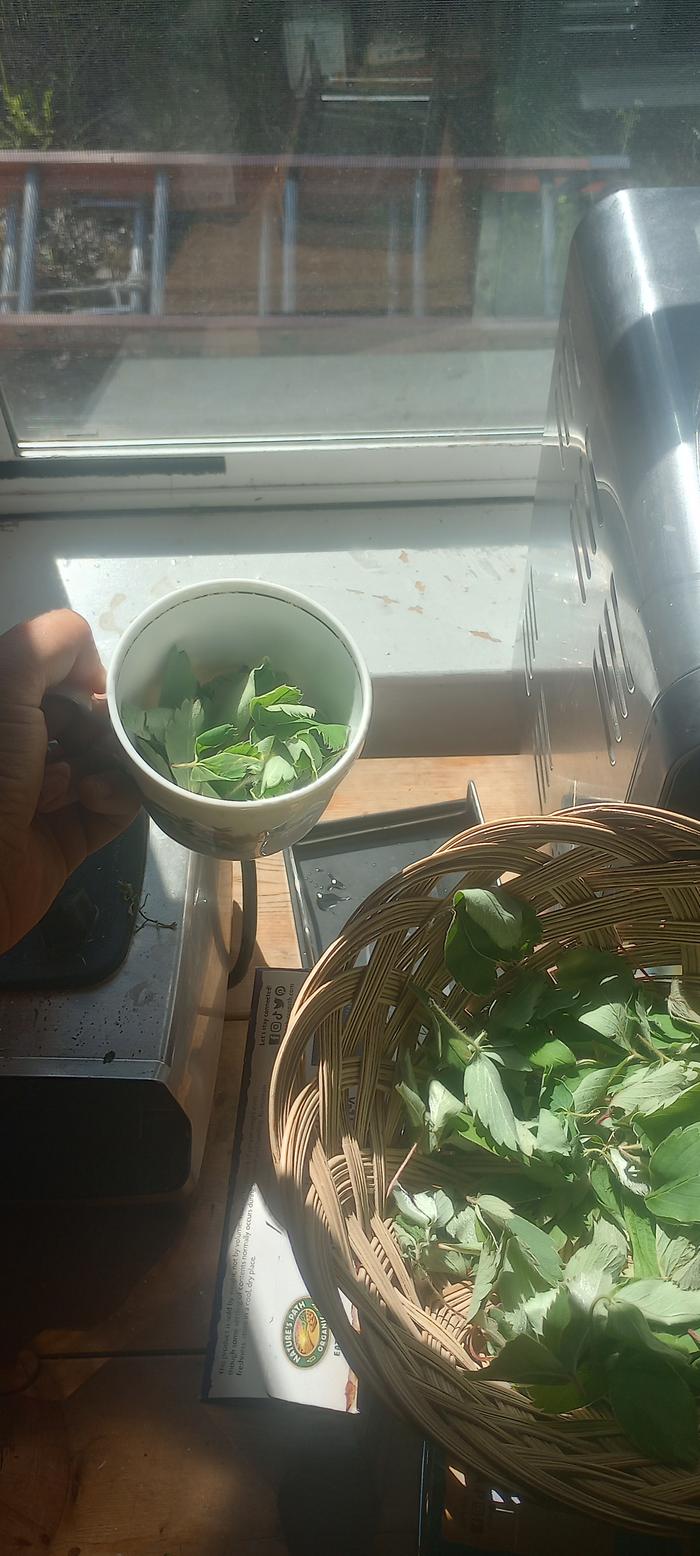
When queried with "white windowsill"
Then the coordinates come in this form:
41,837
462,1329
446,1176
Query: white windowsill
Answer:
431,592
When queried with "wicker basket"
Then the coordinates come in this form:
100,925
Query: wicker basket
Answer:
626,878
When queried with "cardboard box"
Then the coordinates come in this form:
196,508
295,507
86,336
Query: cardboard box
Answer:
268,1339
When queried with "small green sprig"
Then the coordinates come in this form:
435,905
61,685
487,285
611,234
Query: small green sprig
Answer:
240,736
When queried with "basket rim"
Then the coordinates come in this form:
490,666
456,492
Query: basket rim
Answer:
303,1119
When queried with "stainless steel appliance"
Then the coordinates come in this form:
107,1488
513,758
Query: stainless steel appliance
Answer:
610,639
111,1015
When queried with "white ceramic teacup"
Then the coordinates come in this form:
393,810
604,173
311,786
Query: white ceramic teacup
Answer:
224,625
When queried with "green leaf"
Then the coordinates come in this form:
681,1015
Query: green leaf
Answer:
277,777
661,1302
538,1249
557,1091
654,1407
633,1174
526,1361
133,718
546,1053
179,736
334,736
552,1138
584,965
684,1001
462,1228
231,765
606,1192
592,1270
666,1027
222,698
498,1209
469,1133
566,1329
487,1270
530,1316
476,973
212,740
501,925
684,1110
414,1105
642,1235
614,1021
649,1086
486,1098
277,696
511,1059
588,1385
179,681
427,1203
676,1201
411,1211
280,718
446,1261
517,1282
679,1259
410,1241
157,721
149,753
678,1156
592,1090
443,1109
454,1046
252,683
513,1010
303,749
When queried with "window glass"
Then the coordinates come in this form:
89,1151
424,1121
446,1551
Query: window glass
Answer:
298,218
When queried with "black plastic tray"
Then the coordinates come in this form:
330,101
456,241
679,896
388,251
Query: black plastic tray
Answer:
339,863
87,931
502,1522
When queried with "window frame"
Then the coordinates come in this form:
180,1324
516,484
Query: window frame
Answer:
59,477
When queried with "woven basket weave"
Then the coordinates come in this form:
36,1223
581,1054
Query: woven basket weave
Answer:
629,879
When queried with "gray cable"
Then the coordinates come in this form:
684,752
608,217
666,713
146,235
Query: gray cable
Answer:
249,925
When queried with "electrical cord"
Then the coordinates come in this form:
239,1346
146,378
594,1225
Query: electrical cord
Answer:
249,922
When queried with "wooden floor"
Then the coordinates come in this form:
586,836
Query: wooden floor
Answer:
105,1447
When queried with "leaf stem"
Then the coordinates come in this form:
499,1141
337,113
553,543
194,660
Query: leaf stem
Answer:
400,1169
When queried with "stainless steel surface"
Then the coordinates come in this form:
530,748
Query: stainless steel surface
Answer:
159,1018
610,635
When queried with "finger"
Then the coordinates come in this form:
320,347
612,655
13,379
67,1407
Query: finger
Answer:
61,714
87,739
109,794
56,787
56,647
107,805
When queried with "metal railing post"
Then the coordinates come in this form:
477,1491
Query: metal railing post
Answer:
264,258
159,248
289,246
419,232
137,263
549,233
8,278
30,227
392,258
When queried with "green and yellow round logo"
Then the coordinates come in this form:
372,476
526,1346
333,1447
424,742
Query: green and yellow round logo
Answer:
304,1334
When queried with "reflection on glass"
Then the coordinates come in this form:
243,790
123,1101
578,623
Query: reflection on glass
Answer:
255,218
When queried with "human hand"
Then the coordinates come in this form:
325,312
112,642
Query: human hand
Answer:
58,802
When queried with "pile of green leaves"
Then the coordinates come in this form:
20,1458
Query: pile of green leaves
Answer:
563,1131
240,736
